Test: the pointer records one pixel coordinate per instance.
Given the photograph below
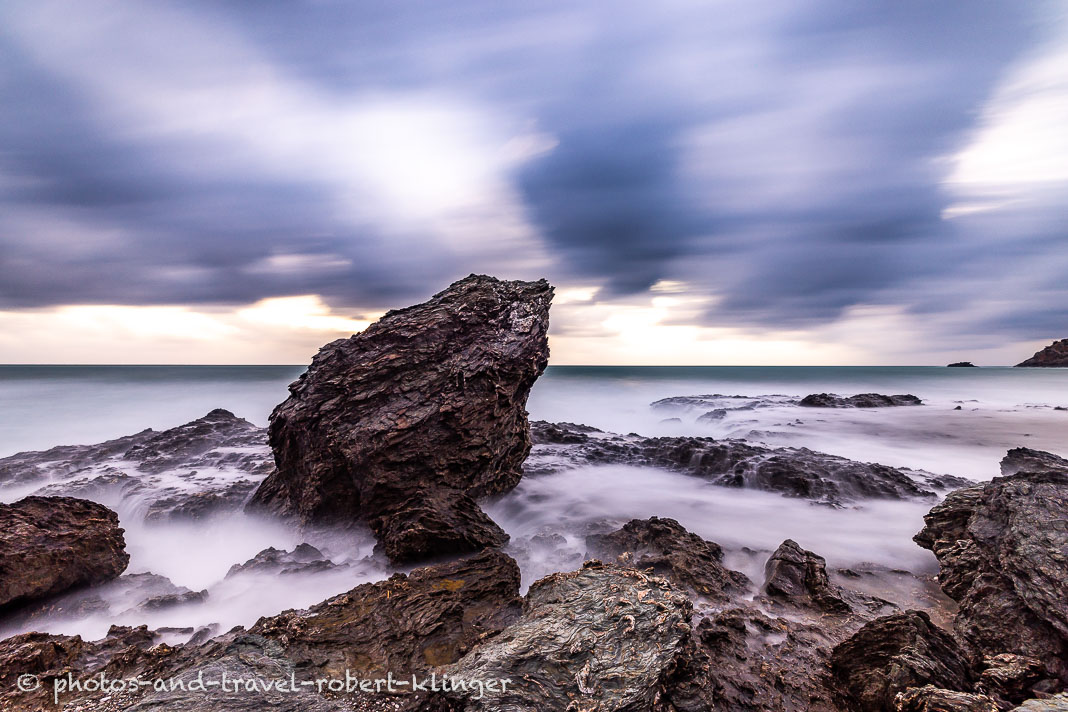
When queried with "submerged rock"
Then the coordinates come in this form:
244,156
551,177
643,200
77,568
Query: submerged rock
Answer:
893,653
304,558
602,638
431,396
49,545
794,472
664,546
1056,354
193,471
862,400
1003,552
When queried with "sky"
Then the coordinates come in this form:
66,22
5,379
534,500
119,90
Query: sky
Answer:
744,182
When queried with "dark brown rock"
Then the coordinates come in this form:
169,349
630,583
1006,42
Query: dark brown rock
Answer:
862,400
124,652
423,522
893,653
406,624
601,638
431,396
671,551
1003,552
49,545
1054,355
1011,677
799,577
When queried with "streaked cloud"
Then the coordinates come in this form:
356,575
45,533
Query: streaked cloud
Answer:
705,182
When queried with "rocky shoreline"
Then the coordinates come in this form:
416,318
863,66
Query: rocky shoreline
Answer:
405,430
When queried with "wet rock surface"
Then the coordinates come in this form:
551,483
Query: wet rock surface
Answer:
407,623
893,653
117,598
427,521
601,638
431,396
794,472
671,551
861,400
799,577
303,559
1054,355
49,545
191,472
1003,552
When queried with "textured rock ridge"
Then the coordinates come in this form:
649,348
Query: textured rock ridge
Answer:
602,638
1003,552
429,399
1054,355
893,653
671,551
49,545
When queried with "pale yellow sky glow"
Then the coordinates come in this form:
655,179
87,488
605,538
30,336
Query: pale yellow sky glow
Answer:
291,329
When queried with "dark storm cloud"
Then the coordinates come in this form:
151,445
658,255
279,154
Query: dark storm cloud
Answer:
784,158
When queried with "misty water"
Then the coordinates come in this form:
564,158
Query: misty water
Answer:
548,516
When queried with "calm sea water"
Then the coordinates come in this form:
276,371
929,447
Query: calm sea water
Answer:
43,406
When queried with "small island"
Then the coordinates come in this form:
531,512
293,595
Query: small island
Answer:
962,364
1053,356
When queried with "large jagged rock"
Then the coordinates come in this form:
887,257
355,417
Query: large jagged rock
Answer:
862,400
194,471
794,472
664,546
1056,354
49,545
798,577
893,653
431,396
600,639
1003,552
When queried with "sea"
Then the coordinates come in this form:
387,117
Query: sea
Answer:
970,418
